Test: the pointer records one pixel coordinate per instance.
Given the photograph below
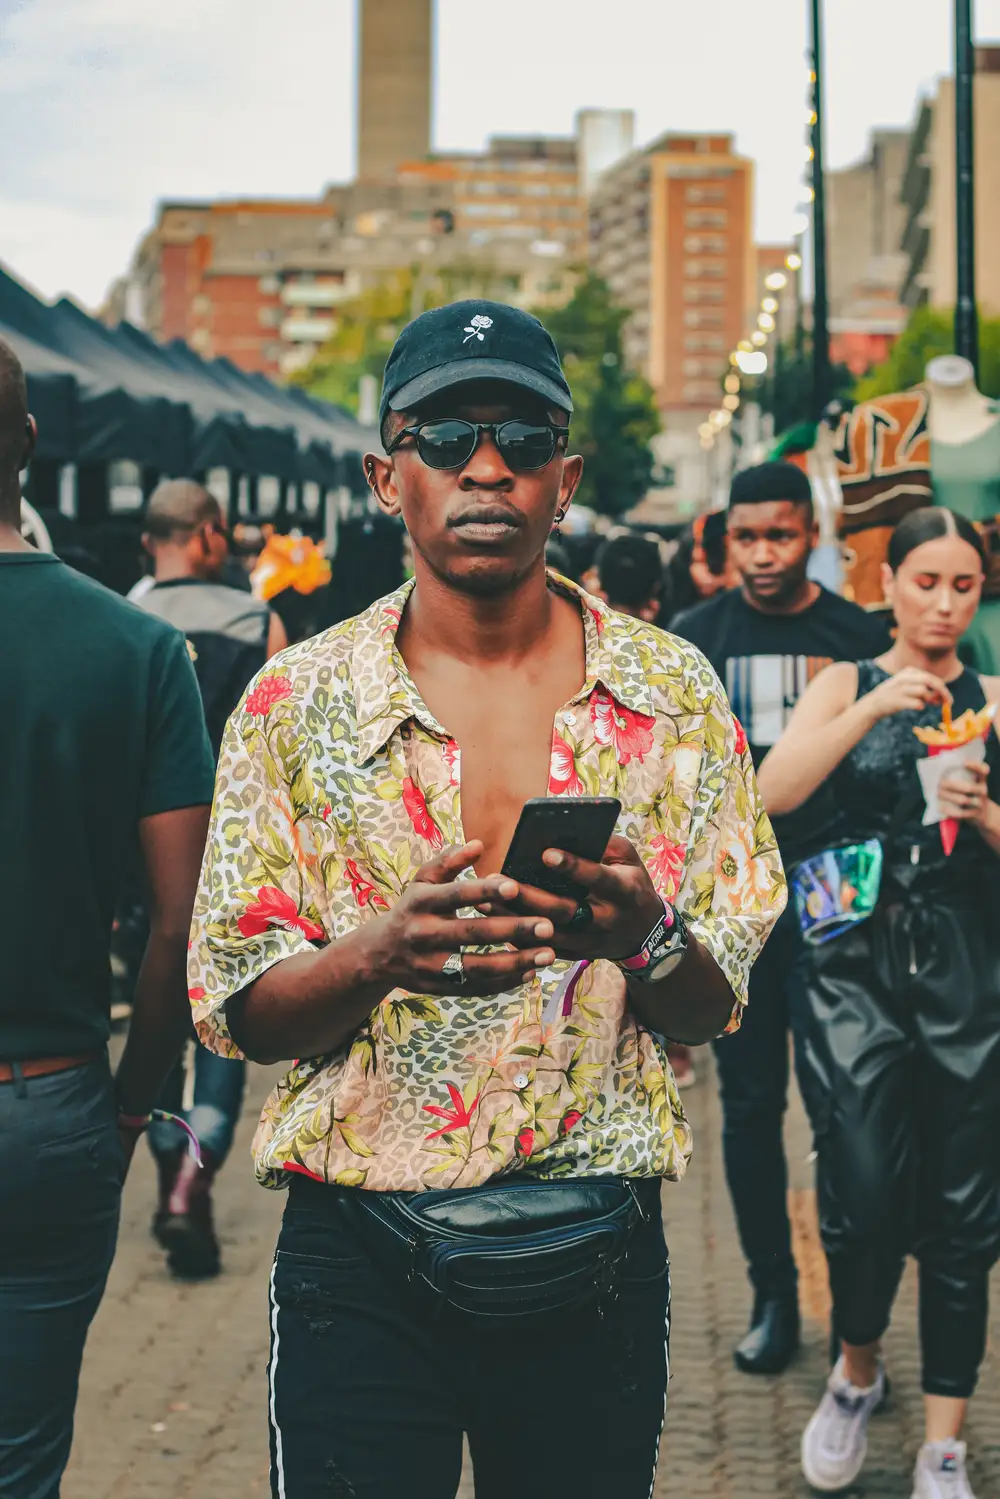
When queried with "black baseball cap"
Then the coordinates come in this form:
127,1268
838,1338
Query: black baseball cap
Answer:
469,341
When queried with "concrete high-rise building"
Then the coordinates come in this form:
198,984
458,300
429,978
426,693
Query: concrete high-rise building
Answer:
865,220
395,85
928,193
520,189
671,233
603,137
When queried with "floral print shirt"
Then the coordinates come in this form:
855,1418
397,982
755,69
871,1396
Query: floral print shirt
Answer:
336,782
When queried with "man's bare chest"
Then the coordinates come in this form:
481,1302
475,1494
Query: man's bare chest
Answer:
506,749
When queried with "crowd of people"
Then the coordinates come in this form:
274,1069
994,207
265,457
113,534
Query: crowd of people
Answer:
484,1098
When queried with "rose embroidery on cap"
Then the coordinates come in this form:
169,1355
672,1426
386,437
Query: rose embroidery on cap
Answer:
477,327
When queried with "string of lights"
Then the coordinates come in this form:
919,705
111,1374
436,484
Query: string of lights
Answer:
750,359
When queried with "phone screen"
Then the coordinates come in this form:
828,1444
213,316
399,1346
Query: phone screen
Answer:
580,825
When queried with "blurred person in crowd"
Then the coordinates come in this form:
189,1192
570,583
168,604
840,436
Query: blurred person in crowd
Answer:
628,575
767,639
521,1049
902,1010
230,635
104,743
700,565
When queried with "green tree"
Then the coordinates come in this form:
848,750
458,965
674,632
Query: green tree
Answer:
615,417
367,326
930,332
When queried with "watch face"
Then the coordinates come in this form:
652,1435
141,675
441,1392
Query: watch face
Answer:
659,970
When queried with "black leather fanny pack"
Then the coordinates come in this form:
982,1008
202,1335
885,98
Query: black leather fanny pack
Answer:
513,1248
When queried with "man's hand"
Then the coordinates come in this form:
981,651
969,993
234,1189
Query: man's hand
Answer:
312,1003
409,945
620,895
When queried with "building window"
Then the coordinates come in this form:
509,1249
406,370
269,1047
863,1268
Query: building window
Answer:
705,244
705,194
693,367
704,341
269,285
270,317
704,294
708,218
710,269
537,190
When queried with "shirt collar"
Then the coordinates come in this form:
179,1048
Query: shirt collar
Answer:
386,695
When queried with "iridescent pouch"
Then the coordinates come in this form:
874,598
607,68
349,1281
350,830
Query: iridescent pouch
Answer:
836,889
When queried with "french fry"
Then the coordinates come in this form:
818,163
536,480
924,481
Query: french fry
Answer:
962,730
951,735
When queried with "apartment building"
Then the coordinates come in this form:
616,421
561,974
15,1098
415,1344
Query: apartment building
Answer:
671,232
928,193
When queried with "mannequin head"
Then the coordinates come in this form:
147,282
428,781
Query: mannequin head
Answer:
949,372
934,578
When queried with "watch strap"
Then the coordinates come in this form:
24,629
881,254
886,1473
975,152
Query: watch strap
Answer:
658,939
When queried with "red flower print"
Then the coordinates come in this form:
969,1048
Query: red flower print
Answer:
452,757
566,1123
665,864
274,908
326,812
631,733
458,1117
364,891
302,1171
598,619
563,779
525,1142
196,994
269,690
416,809
741,736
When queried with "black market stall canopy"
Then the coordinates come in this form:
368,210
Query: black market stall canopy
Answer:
102,395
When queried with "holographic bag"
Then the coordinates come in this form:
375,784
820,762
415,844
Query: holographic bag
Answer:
836,889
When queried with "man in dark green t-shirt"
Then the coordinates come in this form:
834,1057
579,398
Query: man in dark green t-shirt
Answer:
103,741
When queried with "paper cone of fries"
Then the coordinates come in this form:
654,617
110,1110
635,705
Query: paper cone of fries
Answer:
952,745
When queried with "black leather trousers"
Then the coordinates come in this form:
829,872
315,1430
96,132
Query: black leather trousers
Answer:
903,1044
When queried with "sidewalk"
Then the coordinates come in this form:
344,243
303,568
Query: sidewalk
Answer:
173,1391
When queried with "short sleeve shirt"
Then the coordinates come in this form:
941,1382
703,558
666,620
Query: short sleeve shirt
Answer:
766,662
103,727
336,783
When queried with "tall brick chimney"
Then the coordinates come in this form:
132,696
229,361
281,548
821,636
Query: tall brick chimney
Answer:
395,68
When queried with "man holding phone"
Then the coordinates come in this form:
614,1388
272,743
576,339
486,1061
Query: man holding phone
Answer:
483,1094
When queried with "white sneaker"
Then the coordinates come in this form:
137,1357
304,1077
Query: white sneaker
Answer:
940,1472
835,1443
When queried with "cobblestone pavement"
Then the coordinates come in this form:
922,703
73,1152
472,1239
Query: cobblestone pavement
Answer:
172,1397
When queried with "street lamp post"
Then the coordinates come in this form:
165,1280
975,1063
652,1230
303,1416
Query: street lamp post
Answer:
966,316
820,338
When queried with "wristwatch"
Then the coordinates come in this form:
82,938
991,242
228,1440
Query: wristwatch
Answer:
662,950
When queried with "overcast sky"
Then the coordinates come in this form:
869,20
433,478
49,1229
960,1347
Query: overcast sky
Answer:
108,105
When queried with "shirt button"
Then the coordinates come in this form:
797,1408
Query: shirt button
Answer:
521,1080
569,719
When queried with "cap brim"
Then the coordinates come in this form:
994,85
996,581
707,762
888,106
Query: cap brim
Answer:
472,371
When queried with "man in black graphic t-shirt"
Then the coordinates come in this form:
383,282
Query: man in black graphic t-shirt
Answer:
767,640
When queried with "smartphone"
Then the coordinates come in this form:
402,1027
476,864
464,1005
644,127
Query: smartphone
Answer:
580,825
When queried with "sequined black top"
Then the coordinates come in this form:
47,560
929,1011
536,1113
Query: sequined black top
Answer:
880,771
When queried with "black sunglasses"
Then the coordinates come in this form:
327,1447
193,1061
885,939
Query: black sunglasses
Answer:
451,442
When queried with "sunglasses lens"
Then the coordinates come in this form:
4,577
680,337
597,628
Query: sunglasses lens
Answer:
526,446
446,444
